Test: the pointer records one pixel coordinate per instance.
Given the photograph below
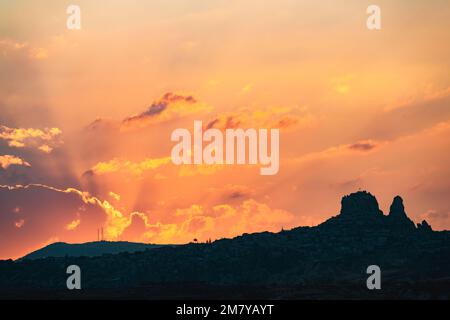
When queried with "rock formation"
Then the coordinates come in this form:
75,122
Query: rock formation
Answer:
360,203
397,215
424,226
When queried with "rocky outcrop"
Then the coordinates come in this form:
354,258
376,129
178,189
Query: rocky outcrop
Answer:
424,226
361,210
359,205
397,215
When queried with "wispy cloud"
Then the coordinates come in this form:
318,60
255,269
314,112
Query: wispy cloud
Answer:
8,160
275,117
363,146
73,225
360,147
9,46
19,224
128,167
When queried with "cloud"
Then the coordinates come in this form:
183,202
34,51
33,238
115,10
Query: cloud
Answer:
186,170
46,148
19,224
73,225
429,94
8,47
277,117
170,106
233,192
102,124
363,146
138,169
115,196
7,160
128,167
219,221
22,137
230,193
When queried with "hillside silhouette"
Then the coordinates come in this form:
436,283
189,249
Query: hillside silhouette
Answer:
328,261
89,249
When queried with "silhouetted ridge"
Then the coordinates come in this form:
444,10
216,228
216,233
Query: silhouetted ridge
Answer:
89,249
325,261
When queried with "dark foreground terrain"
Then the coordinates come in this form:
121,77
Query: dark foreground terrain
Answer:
89,249
324,262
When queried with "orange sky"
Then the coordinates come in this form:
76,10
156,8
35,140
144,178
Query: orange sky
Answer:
357,109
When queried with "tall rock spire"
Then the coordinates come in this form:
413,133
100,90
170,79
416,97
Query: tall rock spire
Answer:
397,209
398,216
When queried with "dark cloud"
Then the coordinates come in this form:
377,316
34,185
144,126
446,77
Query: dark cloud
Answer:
161,105
227,122
157,108
362,146
232,193
101,124
279,118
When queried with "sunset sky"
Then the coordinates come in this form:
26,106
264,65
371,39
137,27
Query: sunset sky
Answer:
81,147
